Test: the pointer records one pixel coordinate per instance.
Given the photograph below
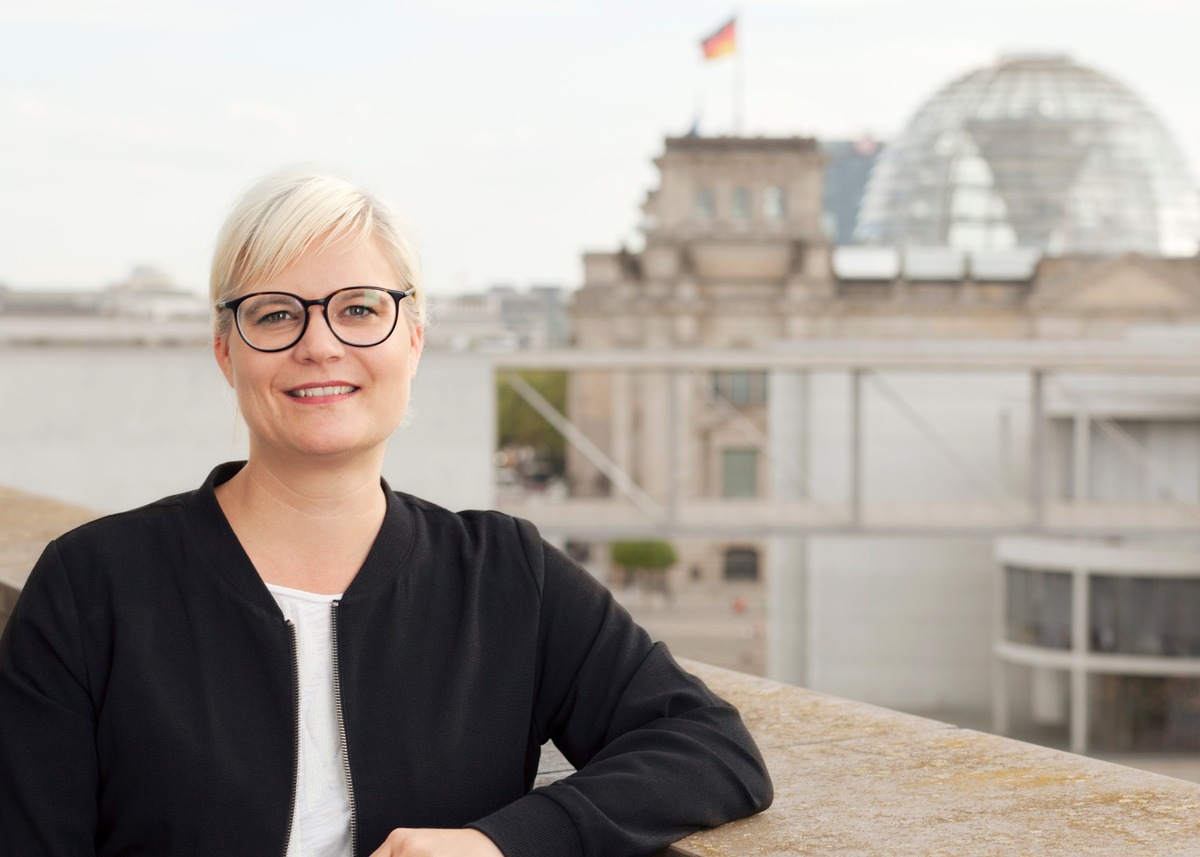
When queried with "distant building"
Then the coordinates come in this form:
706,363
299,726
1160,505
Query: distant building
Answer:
148,307
848,167
736,264
149,293
34,303
501,318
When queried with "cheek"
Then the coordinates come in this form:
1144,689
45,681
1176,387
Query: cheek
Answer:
248,386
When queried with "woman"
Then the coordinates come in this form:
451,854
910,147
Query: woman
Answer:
292,661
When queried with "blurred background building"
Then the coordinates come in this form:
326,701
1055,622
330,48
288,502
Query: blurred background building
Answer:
501,318
1034,214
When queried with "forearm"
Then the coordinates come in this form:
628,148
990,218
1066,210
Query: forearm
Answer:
658,755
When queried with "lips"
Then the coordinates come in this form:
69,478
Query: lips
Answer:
321,392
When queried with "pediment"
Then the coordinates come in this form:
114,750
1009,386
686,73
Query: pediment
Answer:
1130,283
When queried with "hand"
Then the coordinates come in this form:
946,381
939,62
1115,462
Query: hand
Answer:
430,842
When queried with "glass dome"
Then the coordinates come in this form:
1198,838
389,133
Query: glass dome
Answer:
1034,151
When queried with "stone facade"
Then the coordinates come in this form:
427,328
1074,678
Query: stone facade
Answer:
735,259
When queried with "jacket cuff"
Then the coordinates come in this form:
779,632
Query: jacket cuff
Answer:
533,826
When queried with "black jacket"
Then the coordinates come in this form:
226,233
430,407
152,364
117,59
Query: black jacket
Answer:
147,696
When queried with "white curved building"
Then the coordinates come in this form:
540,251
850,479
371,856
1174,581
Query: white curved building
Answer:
1109,639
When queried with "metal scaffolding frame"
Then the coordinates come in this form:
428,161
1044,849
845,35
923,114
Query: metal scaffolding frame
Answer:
1003,513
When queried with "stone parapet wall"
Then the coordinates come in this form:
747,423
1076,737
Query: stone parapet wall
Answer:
853,779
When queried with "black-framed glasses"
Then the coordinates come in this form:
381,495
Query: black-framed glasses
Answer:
361,316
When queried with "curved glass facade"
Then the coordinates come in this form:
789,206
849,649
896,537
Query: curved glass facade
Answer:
1034,151
1129,680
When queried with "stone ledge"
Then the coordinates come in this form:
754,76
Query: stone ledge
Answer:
853,779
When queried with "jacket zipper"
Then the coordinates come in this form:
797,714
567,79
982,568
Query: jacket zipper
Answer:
287,839
341,725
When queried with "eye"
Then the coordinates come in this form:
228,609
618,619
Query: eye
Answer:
275,317
270,310
359,310
360,305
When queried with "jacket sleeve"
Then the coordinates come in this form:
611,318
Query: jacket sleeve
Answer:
658,755
48,771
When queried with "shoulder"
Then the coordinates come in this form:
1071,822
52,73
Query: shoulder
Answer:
476,535
473,524
127,551
125,530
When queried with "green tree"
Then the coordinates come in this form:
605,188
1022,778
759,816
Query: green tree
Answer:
645,561
518,424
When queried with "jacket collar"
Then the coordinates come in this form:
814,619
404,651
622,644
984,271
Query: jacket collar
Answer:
386,559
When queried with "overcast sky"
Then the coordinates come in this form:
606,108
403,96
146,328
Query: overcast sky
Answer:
512,135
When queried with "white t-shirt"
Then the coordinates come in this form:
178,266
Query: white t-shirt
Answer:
321,817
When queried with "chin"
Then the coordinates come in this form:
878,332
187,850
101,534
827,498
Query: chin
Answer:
332,447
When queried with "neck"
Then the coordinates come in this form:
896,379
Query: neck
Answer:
306,525
319,488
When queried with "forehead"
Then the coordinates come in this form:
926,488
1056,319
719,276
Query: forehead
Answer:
329,266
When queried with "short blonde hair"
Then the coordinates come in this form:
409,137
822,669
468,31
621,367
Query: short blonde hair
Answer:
284,215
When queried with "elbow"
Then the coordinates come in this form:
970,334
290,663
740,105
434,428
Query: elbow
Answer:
761,789
753,789
766,793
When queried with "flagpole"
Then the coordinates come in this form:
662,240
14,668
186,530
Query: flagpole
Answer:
738,76
719,45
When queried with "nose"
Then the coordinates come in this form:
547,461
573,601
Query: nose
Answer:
318,342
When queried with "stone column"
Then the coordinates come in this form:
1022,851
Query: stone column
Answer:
622,421
787,567
654,441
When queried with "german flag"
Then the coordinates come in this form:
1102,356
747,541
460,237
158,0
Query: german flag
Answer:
721,43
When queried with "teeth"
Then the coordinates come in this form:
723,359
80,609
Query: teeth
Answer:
312,392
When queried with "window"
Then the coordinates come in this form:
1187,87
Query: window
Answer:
741,564
739,473
1038,605
740,388
741,204
706,208
1143,713
1152,616
774,203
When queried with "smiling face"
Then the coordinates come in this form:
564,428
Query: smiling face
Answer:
322,397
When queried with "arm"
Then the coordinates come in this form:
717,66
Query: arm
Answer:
48,770
658,754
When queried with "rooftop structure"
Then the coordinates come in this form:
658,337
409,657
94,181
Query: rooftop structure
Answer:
1034,151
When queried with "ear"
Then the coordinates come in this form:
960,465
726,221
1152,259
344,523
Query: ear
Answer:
221,353
416,344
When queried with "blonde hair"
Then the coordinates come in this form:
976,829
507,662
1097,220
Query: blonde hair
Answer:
286,214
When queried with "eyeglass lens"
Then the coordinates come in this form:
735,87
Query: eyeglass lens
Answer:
272,321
